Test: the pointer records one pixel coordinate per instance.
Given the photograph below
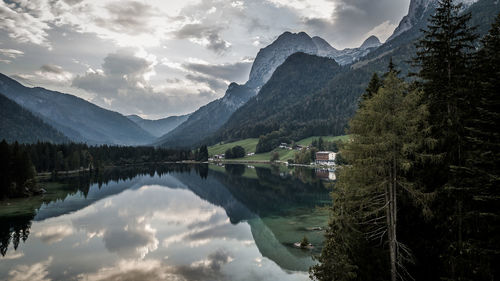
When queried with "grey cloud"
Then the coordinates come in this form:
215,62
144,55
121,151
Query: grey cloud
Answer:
211,34
73,2
50,68
122,86
128,17
237,72
209,270
11,53
354,18
214,84
149,269
22,26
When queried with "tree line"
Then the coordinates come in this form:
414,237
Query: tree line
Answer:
418,197
21,162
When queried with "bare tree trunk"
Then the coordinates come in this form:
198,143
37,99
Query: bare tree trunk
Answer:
390,229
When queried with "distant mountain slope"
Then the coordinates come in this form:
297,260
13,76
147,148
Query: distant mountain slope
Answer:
327,111
209,118
76,118
290,86
159,127
18,124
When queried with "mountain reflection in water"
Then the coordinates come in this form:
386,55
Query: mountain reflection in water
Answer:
174,222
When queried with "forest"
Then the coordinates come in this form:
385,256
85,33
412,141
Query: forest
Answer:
21,162
418,195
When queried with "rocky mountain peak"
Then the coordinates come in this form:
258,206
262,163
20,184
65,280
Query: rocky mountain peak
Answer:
270,57
370,42
416,12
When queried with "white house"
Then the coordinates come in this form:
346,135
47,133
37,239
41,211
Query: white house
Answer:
325,158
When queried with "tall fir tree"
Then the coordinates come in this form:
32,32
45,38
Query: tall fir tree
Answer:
480,173
387,141
373,87
445,58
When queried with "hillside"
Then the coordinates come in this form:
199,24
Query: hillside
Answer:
292,83
328,110
159,127
209,118
18,124
250,146
76,118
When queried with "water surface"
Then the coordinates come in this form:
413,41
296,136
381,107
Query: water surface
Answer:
167,223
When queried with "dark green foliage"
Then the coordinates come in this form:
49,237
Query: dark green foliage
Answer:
18,124
373,86
202,154
285,102
238,152
477,179
270,141
447,164
17,174
304,243
47,157
235,152
228,154
303,157
275,156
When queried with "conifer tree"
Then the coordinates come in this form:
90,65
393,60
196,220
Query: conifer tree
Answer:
480,173
373,87
445,58
387,141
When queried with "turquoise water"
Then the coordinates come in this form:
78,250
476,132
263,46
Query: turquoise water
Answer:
175,223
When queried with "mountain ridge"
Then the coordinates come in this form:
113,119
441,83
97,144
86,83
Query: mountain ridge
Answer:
161,126
19,124
76,118
196,127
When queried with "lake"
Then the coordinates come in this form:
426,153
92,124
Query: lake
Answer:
171,222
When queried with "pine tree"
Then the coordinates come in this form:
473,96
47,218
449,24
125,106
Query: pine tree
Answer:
445,58
387,141
373,87
480,173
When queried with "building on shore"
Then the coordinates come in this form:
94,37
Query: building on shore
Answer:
325,158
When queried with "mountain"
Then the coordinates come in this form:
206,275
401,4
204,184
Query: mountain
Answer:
293,83
79,120
418,12
209,118
270,57
18,124
274,117
158,127
370,42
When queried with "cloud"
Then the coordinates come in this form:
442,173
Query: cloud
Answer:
229,72
54,73
124,83
34,272
55,233
204,35
130,17
214,84
351,20
10,54
23,26
206,269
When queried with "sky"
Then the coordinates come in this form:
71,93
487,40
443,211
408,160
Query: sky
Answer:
159,58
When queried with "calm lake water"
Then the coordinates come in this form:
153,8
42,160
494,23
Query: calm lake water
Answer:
175,222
